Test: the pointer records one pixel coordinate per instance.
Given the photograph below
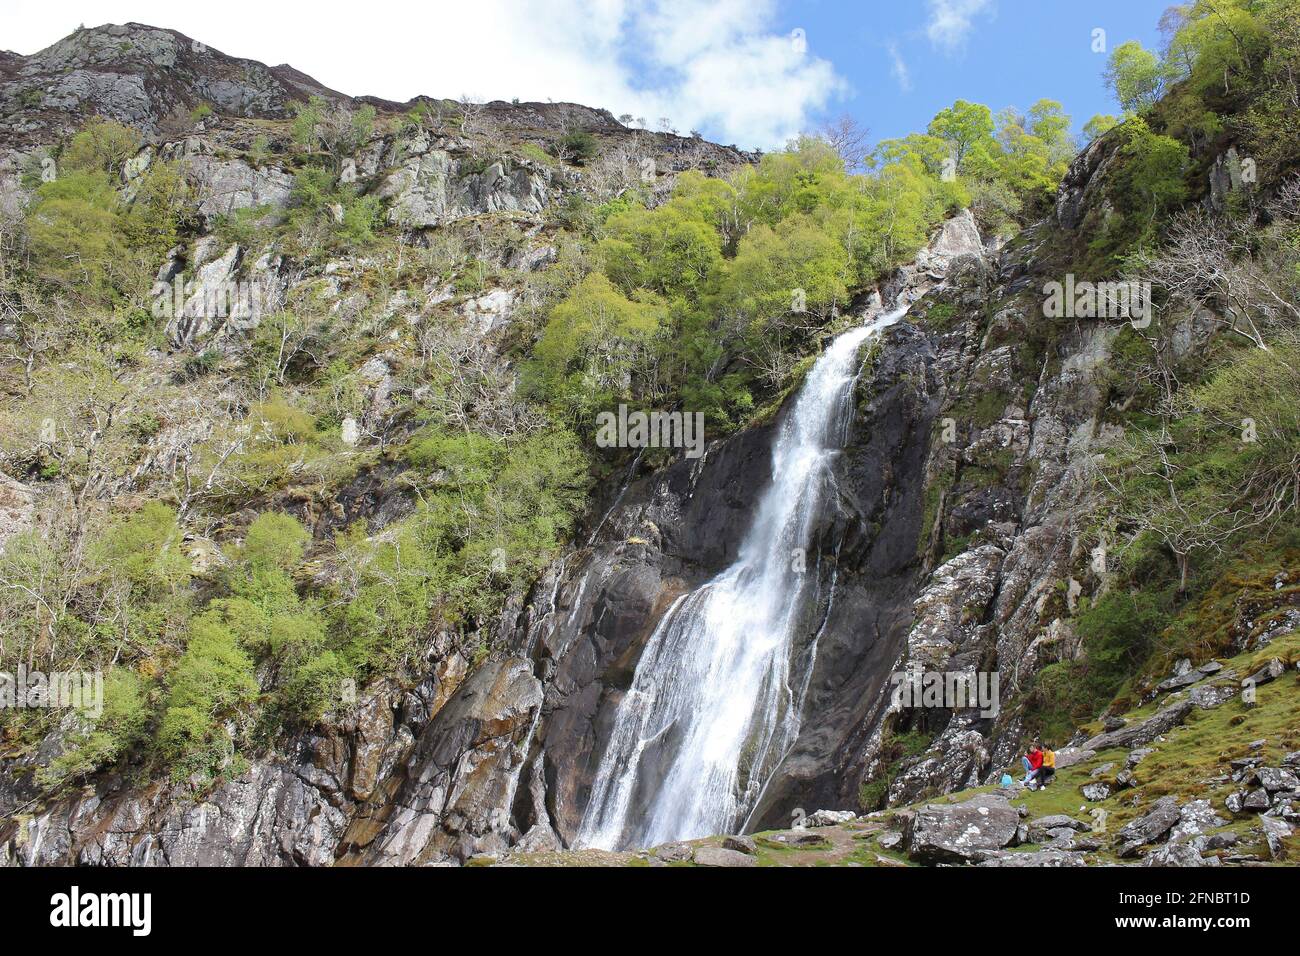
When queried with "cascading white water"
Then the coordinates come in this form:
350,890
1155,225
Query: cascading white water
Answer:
717,696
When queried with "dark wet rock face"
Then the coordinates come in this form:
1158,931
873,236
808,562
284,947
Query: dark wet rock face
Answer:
673,531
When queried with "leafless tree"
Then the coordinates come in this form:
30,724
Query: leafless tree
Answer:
471,113
849,139
1212,263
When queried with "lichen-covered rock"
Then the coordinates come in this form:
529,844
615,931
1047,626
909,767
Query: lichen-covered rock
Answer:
1149,827
454,796
1148,730
959,832
15,508
722,856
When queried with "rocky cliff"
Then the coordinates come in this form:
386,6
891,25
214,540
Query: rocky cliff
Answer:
955,542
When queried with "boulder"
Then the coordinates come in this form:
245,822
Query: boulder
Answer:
1256,800
1196,818
1179,681
1275,831
959,832
1269,672
1209,696
1178,854
674,852
1135,757
741,844
1149,827
1135,735
1043,858
829,818
1274,779
889,840
1221,841
1060,820
1096,792
721,856
1069,756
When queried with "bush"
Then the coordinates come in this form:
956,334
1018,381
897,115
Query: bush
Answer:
212,682
144,550
118,728
576,147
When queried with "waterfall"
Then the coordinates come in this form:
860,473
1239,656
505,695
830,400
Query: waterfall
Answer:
717,696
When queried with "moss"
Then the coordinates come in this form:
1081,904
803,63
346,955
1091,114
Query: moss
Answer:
934,491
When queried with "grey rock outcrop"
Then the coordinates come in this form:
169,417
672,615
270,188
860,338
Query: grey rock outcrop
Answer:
15,508
454,796
1149,827
960,832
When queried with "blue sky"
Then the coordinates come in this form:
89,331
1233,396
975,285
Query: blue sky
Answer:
733,69
1001,53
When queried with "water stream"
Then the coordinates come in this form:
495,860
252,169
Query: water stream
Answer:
717,696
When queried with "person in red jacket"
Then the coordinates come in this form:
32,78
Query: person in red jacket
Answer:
1033,762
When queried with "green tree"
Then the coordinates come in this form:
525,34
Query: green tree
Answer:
1136,76
594,344
1100,125
667,251
968,130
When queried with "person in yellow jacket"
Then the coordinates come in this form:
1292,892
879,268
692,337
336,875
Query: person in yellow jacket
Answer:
1048,770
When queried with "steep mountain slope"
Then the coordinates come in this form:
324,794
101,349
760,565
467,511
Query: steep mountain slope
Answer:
392,276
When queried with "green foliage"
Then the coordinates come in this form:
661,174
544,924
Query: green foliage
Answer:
492,518
577,147
212,682
1148,185
895,750
967,129
1135,76
274,542
85,239
1222,470
144,551
671,251
1100,125
706,301
74,236
104,739
102,146
593,343
1119,633
334,214
281,442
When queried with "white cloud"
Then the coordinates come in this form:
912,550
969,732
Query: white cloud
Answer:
716,66
950,21
898,68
